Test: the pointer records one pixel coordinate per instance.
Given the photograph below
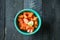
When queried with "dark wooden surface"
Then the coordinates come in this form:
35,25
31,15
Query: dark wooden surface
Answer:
50,29
2,21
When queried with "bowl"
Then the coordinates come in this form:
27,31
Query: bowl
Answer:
35,13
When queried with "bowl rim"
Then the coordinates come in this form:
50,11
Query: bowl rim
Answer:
36,13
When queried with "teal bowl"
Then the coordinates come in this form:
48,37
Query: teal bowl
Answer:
35,13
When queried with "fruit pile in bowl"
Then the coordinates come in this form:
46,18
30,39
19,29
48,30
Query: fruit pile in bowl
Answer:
27,21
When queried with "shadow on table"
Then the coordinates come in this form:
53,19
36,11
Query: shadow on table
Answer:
43,33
